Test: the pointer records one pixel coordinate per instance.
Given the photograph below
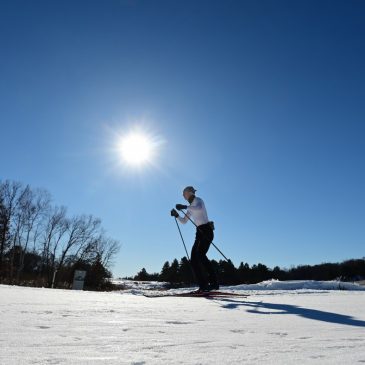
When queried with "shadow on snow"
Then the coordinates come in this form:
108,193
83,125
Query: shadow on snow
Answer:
273,308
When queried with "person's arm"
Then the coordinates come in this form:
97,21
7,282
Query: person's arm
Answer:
196,205
184,219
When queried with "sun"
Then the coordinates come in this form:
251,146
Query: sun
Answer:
136,149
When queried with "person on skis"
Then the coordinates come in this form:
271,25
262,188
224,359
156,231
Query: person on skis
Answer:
202,267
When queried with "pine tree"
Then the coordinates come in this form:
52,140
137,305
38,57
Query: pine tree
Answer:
97,274
277,273
142,275
185,271
165,272
244,273
174,272
228,273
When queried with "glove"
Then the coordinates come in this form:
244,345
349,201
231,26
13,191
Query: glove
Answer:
181,206
174,213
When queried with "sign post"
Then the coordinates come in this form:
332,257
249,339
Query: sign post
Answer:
79,278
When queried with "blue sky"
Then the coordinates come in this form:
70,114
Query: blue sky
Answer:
260,105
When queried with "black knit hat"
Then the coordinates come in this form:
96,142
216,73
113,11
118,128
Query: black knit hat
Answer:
190,189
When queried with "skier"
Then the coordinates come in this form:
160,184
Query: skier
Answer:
204,237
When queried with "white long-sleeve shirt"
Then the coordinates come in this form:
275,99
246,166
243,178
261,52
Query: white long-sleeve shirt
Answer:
196,210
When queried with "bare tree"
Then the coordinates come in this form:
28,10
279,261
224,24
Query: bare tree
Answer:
80,236
35,234
22,207
55,228
34,205
107,248
102,248
9,193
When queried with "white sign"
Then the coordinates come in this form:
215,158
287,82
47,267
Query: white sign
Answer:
79,279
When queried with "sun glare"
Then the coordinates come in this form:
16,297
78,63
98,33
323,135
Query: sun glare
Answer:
136,149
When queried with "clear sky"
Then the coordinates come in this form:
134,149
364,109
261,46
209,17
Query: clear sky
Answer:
258,104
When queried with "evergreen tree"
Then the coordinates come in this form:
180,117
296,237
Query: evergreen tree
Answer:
174,272
244,273
142,275
228,273
185,271
97,275
277,273
165,272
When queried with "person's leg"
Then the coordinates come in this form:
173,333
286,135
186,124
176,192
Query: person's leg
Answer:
212,276
206,239
197,264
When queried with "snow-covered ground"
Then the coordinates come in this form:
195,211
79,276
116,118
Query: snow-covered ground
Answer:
265,285
300,284
135,284
45,326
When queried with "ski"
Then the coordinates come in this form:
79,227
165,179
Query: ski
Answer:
194,294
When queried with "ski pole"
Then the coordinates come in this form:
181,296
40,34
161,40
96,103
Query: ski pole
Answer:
187,255
182,239
198,228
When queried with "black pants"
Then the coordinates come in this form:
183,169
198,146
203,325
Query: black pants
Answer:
202,267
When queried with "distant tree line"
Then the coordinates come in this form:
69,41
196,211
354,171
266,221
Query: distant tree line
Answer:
41,245
179,272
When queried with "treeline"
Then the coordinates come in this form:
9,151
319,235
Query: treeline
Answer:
179,272
41,245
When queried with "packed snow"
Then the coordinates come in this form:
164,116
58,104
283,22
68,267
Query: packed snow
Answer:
50,326
135,284
273,284
300,284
